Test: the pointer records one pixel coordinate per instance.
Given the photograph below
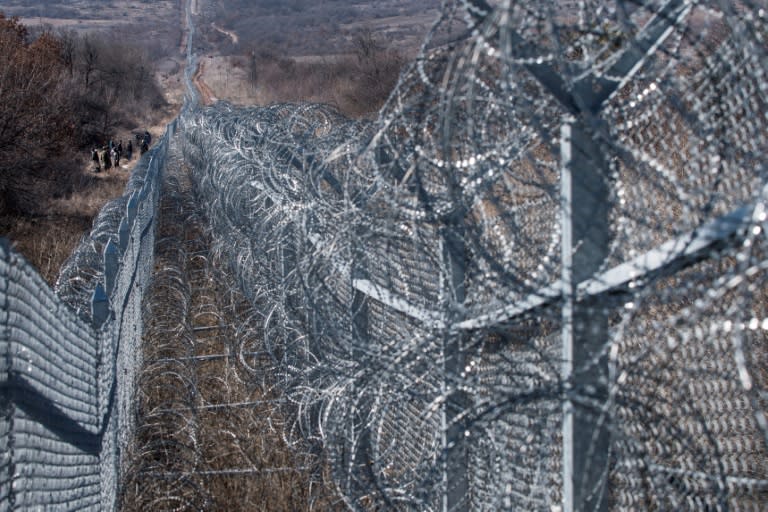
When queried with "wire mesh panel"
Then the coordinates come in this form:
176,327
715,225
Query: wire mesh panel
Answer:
67,385
50,424
123,329
695,442
535,281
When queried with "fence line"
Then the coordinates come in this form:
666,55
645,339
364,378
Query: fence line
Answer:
67,372
500,294
536,282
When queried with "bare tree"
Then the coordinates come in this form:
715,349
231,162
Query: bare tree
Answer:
253,68
89,58
367,48
378,68
68,42
36,118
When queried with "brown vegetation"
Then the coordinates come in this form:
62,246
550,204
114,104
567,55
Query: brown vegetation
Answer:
48,236
63,94
347,54
36,116
206,94
305,27
358,83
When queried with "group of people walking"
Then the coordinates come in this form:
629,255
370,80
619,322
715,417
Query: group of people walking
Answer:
109,155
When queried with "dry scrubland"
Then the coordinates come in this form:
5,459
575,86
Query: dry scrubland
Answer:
356,86
94,78
347,54
304,27
139,21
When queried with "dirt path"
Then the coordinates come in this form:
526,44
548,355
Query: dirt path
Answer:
232,35
209,433
206,93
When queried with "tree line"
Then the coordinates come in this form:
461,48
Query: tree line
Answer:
62,93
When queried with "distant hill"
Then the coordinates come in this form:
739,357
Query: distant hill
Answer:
154,24
232,27
258,51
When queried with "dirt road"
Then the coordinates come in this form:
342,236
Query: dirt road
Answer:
206,93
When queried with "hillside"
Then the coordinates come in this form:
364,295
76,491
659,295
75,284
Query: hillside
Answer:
347,54
154,24
251,52
256,52
242,43
303,27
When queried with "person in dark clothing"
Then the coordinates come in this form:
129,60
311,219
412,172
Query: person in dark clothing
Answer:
147,138
96,161
107,159
129,150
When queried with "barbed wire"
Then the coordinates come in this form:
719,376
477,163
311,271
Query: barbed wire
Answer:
536,281
411,270
208,435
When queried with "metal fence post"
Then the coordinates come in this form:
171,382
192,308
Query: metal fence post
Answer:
111,264
585,239
99,306
359,311
123,234
457,403
362,457
132,207
585,235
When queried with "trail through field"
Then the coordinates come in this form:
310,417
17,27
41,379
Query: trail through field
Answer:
232,35
207,96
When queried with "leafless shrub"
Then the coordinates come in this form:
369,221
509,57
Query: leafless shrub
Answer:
358,84
62,94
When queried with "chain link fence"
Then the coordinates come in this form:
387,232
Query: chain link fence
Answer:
69,358
536,281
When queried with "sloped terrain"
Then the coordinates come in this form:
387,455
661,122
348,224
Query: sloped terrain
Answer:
302,27
141,21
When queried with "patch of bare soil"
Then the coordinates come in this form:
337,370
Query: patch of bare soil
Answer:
207,96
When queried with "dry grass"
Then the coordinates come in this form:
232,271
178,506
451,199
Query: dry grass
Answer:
46,241
47,236
63,209
48,199
210,434
356,90
130,20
